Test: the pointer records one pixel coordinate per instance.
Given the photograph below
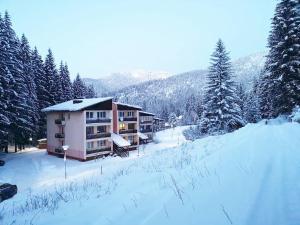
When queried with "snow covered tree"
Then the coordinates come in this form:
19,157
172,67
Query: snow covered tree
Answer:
222,112
78,88
50,75
66,85
90,92
44,98
281,81
172,120
29,92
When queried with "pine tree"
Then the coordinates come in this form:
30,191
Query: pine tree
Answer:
51,75
28,75
222,111
252,105
78,88
281,81
90,92
66,85
43,96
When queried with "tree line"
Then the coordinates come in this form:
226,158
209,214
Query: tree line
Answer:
28,84
226,106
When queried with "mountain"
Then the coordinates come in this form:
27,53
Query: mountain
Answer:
174,93
117,81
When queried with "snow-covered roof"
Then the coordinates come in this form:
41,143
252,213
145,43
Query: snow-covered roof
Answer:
119,140
128,105
71,106
156,118
142,136
147,113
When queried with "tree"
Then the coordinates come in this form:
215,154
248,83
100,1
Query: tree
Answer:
281,81
44,98
66,85
222,112
90,92
78,88
29,92
50,75
172,120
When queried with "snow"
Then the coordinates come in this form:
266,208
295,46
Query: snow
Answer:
70,106
246,177
142,136
118,140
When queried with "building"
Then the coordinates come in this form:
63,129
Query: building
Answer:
146,126
96,127
159,124
85,125
126,126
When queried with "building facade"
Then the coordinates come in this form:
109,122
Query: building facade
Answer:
146,125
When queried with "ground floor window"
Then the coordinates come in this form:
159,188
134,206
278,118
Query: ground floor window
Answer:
131,139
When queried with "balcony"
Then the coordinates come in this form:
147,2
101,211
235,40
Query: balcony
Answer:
59,150
133,144
98,120
130,119
146,131
59,135
99,135
127,131
97,150
60,121
146,121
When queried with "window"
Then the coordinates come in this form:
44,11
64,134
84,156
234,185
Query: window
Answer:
89,130
69,116
89,115
101,129
131,126
90,145
101,114
101,143
130,114
121,114
122,126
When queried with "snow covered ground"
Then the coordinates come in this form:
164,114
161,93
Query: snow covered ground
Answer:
250,177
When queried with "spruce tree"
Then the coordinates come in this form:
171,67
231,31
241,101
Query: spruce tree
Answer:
28,75
66,85
79,89
281,81
222,111
43,95
50,75
90,92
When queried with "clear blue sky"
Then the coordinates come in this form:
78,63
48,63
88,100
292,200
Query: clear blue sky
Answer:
98,37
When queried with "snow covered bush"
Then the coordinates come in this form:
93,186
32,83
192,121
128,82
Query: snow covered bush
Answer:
296,114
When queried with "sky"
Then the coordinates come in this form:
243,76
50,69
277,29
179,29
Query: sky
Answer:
100,37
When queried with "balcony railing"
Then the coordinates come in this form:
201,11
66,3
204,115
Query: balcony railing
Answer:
60,121
98,120
128,119
146,121
127,131
134,143
59,135
96,150
99,135
146,131
59,150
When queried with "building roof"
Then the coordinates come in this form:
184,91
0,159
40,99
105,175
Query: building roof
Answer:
142,136
123,106
143,113
71,105
156,118
119,140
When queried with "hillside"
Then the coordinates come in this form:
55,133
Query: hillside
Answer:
228,179
172,94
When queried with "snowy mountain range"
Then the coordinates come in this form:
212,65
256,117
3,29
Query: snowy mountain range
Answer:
171,93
